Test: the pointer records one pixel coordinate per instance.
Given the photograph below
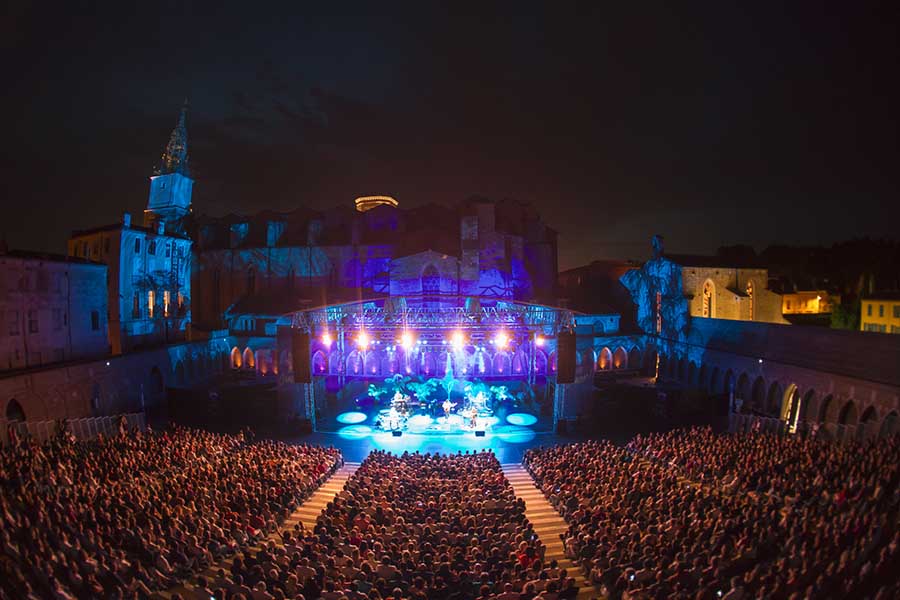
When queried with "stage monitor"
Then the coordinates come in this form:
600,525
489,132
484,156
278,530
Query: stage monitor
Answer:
300,355
565,357
479,433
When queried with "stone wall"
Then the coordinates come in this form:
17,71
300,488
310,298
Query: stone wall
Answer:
119,384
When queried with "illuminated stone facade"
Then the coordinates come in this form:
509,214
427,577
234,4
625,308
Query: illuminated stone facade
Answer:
261,267
149,284
52,309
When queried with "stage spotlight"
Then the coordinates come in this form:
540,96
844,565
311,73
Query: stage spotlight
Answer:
501,340
326,339
407,340
457,339
539,340
362,340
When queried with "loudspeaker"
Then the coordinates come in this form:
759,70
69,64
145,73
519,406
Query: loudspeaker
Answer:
565,357
479,434
300,354
396,433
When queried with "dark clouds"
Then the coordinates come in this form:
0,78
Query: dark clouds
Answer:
716,125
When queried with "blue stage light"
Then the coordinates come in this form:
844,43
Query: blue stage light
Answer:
351,418
523,419
355,432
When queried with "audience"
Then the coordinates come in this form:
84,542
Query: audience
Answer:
694,514
686,514
121,517
414,526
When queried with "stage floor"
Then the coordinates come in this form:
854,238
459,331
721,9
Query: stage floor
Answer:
509,448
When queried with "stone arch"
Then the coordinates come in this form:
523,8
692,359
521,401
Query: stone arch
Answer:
889,424
774,399
826,408
518,362
605,359
620,358
236,359
703,377
713,386
373,365
848,414
868,423
634,358
354,363
501,364
552,362
692,374
804,413
708,299
248,360
156,384
319,363
540,363
789,410
179,373
335,362
429,366
14,411
728,383
743,390
758,394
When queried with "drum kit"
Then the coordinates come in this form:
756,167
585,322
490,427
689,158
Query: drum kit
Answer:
403,408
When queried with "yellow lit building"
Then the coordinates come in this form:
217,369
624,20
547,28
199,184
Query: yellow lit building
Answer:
880,313
810,302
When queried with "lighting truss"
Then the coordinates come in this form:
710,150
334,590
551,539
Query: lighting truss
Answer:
408,312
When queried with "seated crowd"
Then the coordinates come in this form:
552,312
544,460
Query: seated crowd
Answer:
694,514
415,526
120,517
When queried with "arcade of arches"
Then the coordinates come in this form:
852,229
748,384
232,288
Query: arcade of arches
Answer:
785,400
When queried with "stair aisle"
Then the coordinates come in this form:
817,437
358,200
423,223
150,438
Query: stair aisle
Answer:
547,524
306,513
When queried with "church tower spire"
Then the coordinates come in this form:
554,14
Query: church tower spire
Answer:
171,185
175,158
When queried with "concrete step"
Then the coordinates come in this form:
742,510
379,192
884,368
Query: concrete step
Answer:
547,524
306,513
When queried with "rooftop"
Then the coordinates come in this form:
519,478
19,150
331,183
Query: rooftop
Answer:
48,257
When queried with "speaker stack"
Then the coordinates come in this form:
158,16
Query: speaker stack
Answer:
565,357
300,355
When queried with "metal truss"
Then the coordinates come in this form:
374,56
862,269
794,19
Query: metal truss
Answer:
418,313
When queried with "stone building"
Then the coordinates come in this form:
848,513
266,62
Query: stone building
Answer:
721,288
149,286
844,383
248,271
52,309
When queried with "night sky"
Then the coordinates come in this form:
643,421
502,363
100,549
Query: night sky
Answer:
711,125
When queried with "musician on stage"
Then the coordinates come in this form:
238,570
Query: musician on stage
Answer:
447,406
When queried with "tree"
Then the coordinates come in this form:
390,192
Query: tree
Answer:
846,316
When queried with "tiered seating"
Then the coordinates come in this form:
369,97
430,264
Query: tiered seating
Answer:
692,514
135,513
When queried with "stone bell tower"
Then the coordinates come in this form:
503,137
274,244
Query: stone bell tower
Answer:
171,185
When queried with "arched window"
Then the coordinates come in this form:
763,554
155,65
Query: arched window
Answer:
431,281
14,411
236,358
709,299
750,297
